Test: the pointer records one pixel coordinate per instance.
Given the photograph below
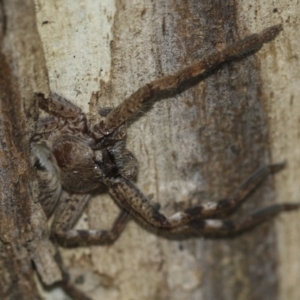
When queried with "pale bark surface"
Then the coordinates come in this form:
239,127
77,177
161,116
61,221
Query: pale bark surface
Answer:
198,145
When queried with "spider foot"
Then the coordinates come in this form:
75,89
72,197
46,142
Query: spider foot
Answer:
270,33
227,228
274,168
290,206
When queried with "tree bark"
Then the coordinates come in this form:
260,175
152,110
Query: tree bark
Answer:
21,218
196,146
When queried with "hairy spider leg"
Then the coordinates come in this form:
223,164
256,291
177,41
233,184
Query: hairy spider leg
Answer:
65,115
128,196
209,228
69,288
133,104
69,210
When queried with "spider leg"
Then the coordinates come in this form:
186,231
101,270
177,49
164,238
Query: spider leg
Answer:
65,283
72,291
64,112
48,182
133,104
128,196
45,125
68,211
227,228
58,106
227,206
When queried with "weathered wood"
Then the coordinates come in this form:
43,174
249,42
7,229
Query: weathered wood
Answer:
279,72
21,73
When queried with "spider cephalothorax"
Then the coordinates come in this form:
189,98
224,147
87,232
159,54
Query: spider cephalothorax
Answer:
83,166
73,160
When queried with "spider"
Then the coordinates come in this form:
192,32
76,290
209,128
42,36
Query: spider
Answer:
74,160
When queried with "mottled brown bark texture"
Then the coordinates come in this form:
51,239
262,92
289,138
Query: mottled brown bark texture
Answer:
18,78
